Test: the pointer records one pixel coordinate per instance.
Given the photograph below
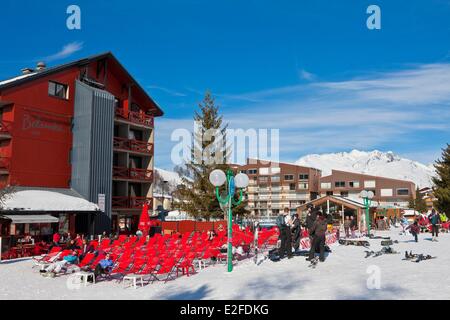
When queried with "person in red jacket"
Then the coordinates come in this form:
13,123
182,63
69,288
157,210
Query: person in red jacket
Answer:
414,229
56,239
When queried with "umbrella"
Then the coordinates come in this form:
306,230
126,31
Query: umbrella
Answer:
144,222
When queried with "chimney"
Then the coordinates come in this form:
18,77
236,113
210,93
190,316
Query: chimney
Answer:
41,66
27,71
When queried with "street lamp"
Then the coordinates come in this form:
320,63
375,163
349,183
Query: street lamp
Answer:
367,196
218,178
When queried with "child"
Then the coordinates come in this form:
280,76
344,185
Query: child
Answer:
415,230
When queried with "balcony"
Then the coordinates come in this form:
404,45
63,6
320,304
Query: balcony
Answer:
132,174
134,146
5,130
133,117
4,165
130,202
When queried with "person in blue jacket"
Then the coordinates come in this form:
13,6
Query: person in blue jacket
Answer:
104,266
58,266
435,221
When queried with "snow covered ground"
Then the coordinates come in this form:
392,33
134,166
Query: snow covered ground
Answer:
343,276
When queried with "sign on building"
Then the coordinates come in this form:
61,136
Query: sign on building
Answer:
101,202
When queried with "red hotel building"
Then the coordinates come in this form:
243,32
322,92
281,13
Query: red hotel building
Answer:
87,126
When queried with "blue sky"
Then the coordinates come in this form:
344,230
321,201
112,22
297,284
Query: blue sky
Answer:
309,68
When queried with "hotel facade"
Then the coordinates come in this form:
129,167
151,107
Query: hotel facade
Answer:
84,128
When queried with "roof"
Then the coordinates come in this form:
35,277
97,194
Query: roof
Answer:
29,218
354,203
365,175
51,70
48,200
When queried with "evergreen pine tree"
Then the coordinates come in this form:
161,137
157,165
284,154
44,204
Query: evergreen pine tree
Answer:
419,204
442,182
209,151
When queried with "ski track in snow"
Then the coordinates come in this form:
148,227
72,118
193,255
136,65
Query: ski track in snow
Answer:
343,276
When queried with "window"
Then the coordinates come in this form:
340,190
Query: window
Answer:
244,171
275,179
339,184
403,192
264,171
263,179
354,184
369,184
344,194
303,176
289,177
329,193
386,192
292,186
325,185
303,186
58,90
252,171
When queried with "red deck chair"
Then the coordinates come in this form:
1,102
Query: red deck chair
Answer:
97,260
105,244
88,258
168,268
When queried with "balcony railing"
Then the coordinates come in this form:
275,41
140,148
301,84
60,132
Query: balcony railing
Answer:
5,128
4,164
135,117
130,202
133,145
132,174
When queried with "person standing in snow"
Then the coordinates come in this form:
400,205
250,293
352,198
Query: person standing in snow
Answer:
283,223
353,225
347,227
311,218
435,221
414,229
318,232
296,232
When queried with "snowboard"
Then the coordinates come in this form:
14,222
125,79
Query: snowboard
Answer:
386,243
385,250
346,242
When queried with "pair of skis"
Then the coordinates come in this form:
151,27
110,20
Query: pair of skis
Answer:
417,257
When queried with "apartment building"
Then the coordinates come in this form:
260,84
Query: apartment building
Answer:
85,126
274,186
388,192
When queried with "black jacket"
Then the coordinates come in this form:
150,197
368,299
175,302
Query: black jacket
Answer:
319,228
310,219
297,228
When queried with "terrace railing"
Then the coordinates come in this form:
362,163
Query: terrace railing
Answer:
132,174
135,117
133,145
130,202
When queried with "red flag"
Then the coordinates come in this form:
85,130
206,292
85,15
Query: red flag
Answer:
144,222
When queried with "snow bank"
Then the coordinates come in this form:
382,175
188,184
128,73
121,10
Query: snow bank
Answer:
48,200
344,275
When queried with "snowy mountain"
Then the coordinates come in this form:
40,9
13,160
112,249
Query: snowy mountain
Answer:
384,164
171,177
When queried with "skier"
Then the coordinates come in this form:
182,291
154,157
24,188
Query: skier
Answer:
318,232
443,217
296,232
283,223
347,226
435,221
414,229
404,224
311,219
353,225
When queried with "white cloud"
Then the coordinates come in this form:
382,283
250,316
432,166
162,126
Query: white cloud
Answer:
168,91
305,75
68,50
368,112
